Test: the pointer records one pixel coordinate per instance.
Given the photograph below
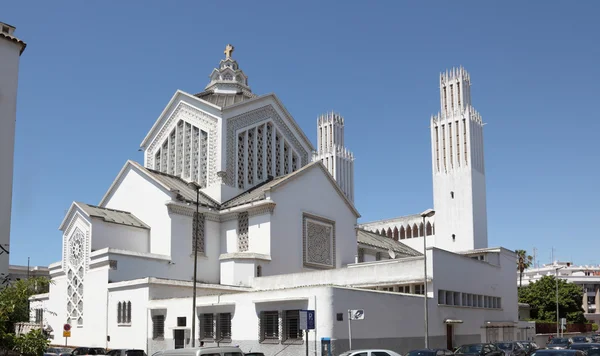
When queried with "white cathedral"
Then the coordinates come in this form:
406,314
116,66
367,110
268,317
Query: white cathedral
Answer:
231,183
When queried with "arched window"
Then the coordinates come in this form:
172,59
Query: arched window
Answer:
428,229
395,233
258,271
389,233
129,312
377,232
402,233
119,312
421,231
408,232
415,230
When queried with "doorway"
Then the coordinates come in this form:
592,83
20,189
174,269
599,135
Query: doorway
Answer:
449,337
179,336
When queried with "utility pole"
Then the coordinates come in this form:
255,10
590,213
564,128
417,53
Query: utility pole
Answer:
28,268
534,257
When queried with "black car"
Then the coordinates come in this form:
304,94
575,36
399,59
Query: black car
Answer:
125,352
558,352
512,348
80,351
428,352
529,346
558,343
584,346
579,339
479,350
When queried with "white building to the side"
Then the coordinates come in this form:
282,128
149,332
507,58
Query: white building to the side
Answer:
11,49
587,277
230,174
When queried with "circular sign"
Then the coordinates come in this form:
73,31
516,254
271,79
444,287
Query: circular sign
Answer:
66,327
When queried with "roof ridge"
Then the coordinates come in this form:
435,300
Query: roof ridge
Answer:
104,208
259,185
182,181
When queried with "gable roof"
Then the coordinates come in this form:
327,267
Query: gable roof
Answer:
372,239
224,99
258,192
168,182
108,215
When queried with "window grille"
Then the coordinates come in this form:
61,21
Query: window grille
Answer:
292,325
158,327
224,327
119,312
39,315
206,327
269,325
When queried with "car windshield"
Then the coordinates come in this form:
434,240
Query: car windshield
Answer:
560,341
507,346
579,339
469,349
421,353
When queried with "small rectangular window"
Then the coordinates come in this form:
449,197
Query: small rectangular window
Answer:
292,325
269,325
224,324
206,327
181,321
158,327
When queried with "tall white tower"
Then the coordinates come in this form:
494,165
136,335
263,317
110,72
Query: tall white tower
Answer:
459,193
338,160
10,52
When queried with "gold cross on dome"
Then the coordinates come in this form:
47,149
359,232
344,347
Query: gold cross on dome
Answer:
228,51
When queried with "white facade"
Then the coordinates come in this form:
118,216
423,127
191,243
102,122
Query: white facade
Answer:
10,53
274,233
587,277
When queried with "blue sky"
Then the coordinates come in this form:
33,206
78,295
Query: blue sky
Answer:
96,75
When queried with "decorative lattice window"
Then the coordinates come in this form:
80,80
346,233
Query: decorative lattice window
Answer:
179,148
250,167
158,327
361,255
39,315
157,160
198,232
124,312
278,168
207,327
187,155
172,152
378,256
195,151
259,152
286,159
164,164
227,76
269,150
224,327
294,163
75,275
243,232
240,161
203,159
465,141
269,326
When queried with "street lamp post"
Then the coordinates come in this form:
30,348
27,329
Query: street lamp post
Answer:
557,317
195,220
426,214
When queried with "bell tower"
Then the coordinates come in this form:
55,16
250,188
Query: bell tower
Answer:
459,191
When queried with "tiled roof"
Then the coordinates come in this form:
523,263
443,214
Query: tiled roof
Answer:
372,239
112,215
224,100
397,220
255,193
15,40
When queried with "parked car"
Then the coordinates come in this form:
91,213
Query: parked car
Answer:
584,346
212,351
530,346
558,343
580,339
558,352
58,351
428,352
370,352
126,352
512,348
81,351
479,350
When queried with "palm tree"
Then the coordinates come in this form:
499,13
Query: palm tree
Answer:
524,261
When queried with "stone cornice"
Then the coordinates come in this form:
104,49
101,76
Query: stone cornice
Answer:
244,256
188,210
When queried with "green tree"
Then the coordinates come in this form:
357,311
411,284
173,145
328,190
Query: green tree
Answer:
541,296
524,261
14,308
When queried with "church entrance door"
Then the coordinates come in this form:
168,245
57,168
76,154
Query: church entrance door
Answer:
179,336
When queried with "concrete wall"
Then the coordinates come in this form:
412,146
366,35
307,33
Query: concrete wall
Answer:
146,200
9,71
127,335
119,236
314,194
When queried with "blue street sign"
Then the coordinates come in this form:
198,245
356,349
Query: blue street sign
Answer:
310,316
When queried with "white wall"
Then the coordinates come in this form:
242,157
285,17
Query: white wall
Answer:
146,201
310,193
9,70
95,295
128,335
259,234
119,236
